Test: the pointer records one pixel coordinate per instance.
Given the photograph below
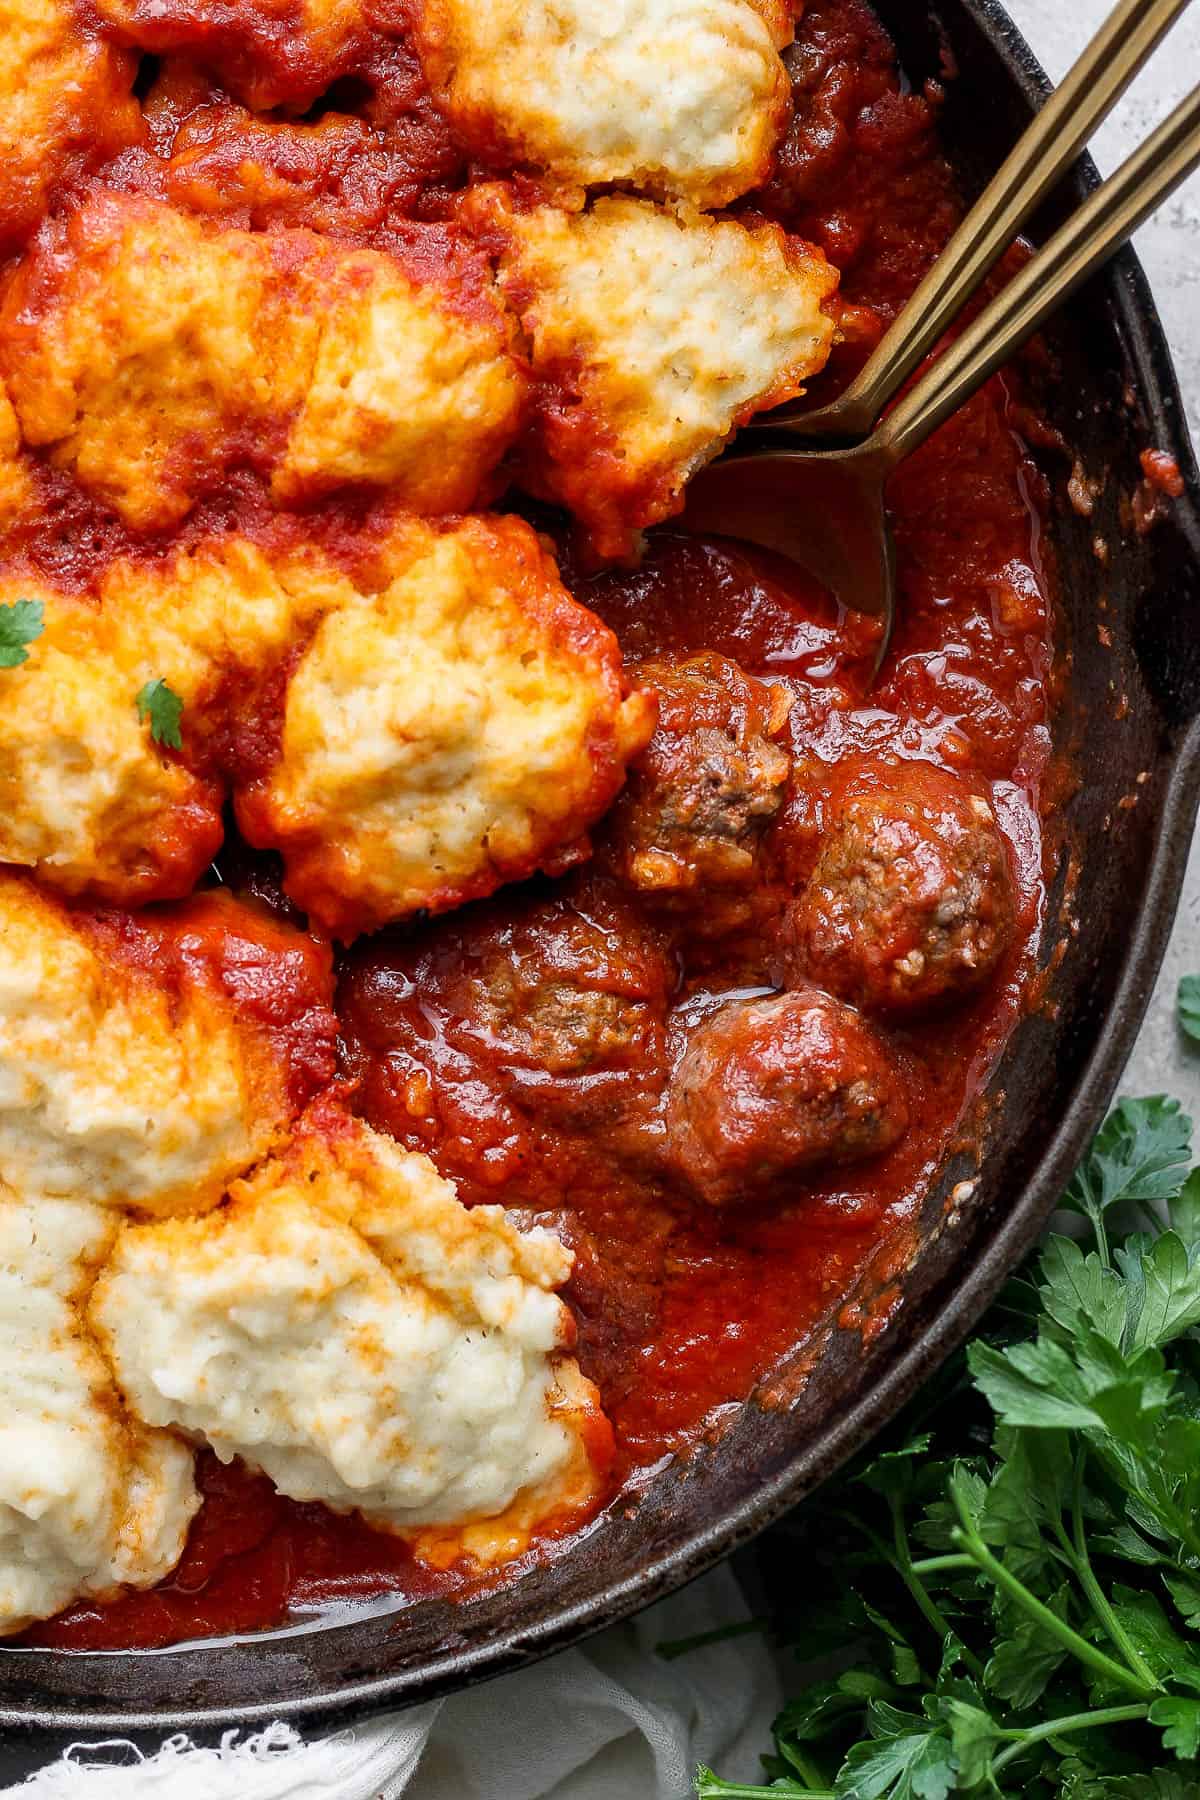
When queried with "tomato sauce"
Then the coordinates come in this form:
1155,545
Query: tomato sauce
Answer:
683,1308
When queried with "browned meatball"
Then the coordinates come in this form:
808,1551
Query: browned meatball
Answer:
514,1038
574,989
699,797
779,1087
911,902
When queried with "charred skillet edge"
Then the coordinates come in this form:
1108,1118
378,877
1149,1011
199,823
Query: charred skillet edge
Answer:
940,1324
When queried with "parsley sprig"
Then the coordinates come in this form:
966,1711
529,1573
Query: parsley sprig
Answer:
161,706
1004,1598
21,623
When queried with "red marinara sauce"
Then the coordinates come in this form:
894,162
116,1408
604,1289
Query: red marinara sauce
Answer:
683,1307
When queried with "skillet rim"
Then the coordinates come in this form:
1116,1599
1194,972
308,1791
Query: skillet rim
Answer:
1011,1240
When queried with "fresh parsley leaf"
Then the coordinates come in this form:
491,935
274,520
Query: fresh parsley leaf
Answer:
1031,1384
1184,1210
894,1471
1077,1288
1189,1005
906,1670
1141,1152
1015,1574
906,1758
817,1713
1144,1621
1180,1724
1163,1283
1130,1546
1022,1666
1185,1592
1030,1488
1091,1387
940,1519
974,1739
21,622
164,709
1148,1784
864,1686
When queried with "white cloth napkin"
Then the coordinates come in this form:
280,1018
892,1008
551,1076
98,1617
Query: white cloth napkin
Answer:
608,1721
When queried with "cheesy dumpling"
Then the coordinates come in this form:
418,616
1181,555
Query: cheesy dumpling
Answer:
90,1500
66,99
412,725
149,354
409,388
678,97
457,723
270,52
87,799
222,608
346,1326
655,333
130,1075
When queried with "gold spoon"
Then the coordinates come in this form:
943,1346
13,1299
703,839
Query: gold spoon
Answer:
824,508
1043,153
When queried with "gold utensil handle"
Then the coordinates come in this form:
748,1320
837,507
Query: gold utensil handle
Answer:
1043,154
1107,217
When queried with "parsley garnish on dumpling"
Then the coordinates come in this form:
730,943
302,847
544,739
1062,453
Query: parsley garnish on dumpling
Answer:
162,706
20,623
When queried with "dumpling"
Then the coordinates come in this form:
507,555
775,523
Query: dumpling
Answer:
90,1500
146,1063
457,724
149,354
89,800
655,332
678,97
346,1326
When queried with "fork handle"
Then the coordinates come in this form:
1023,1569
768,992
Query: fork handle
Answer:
1107,217
1043,154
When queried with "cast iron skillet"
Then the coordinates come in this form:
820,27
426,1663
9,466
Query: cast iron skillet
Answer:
1112,395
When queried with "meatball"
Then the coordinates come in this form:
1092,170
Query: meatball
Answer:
566,1000
698,799
555,1024
911,902
776,1088
514,1041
